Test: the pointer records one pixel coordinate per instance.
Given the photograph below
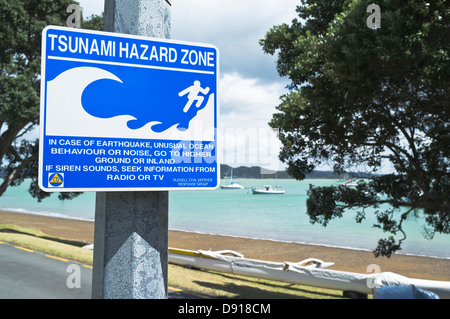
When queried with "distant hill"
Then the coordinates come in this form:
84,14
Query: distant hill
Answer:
259,172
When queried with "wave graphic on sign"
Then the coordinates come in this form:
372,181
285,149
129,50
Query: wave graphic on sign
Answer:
93,102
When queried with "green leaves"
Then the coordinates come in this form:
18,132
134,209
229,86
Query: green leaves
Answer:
322,205
363,97
22,22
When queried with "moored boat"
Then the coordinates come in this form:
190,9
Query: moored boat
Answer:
232,185
349,183
267,189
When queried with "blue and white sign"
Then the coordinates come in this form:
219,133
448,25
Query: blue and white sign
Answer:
123,113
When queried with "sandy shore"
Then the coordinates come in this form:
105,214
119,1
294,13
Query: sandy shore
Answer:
344,259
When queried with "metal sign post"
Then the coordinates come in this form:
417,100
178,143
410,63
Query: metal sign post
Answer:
131,228
129,114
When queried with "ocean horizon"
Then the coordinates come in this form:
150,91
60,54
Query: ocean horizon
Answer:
239,213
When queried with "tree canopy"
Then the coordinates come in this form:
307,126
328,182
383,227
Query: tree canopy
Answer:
369,99
22,23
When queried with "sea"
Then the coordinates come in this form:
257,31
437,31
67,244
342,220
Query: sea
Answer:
240,213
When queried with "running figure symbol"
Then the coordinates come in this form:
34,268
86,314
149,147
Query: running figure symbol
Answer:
193,91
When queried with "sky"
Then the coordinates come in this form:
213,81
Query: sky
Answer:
249,85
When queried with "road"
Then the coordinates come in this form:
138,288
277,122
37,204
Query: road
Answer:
28,274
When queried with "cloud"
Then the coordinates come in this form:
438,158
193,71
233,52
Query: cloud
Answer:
235,27
246,108
245,101
91,7
249,86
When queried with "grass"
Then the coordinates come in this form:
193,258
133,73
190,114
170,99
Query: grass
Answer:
36,240
201,282
223,285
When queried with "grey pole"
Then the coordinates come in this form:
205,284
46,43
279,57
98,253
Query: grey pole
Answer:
131,228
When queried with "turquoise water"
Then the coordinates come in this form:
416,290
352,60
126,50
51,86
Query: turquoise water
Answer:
242,214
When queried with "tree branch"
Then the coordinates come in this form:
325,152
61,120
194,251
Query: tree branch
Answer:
15,172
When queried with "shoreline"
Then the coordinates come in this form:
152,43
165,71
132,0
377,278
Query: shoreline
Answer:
345,259
302,243
20,211
51,215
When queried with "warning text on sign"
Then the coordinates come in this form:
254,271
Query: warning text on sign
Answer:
113,163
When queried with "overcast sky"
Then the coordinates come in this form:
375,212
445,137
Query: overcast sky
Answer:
249,87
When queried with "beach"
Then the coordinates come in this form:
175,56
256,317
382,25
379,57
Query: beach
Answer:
344,259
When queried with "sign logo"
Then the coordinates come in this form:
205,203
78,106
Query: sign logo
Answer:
56,179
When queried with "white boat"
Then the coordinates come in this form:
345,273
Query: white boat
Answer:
310,272
267,189
232,185
349,183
